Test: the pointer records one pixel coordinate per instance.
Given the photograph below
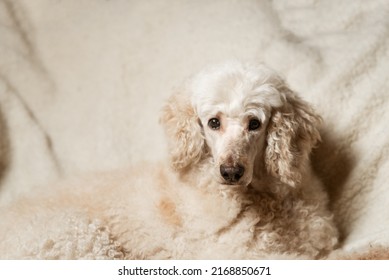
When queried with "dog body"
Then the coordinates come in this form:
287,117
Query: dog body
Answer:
239,185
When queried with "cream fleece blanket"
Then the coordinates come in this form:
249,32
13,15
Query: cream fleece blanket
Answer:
82,83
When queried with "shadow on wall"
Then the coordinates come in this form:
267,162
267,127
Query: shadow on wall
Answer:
4,147
333,162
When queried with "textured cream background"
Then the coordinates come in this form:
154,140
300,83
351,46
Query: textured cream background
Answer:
82,83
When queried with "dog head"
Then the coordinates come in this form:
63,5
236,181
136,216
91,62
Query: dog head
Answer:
240,117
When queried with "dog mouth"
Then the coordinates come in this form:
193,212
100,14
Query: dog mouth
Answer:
241,183
231,184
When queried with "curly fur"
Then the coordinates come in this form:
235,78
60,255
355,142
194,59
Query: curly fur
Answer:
291,135
181,123
272,207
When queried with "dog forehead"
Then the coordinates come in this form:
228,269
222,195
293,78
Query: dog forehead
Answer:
234,95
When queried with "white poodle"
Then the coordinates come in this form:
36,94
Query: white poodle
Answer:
240,185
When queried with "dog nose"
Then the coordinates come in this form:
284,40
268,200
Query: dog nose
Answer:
231,173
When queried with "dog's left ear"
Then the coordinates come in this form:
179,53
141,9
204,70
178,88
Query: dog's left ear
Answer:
183,129
292,133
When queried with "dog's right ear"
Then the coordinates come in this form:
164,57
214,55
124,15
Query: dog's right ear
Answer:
183,129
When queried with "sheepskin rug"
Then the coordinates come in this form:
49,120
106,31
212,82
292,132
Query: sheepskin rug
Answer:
82,83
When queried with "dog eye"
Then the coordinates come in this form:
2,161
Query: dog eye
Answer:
254,124
214,123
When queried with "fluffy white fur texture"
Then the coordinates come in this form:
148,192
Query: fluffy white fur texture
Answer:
239,186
